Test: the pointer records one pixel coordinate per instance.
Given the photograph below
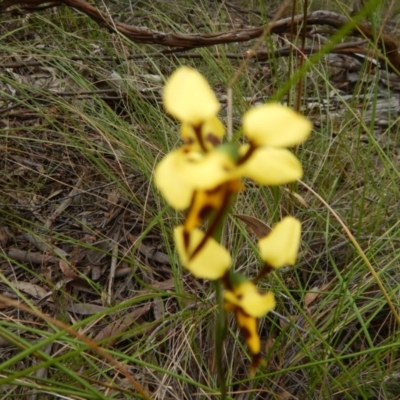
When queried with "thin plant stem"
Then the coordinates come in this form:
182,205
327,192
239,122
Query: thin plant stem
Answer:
220,333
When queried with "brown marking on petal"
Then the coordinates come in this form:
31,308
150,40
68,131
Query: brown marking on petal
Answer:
230,307
246,332
203,203
266,269
235,186
199,137
186,240
256,361
214,140
226,281
192,215
248,154
205,212
216,189
218,217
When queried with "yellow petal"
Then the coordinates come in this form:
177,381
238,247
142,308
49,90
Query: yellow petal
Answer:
211,262
248,326
188,135
210,135
174,189
271,166
206,171
281,246
253,302
275,125
183,171
188,97
247,297
213,127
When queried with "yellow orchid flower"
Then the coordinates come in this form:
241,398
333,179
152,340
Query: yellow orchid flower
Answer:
248,305
247,298
204,164
184,171
204,176
204,259
280,247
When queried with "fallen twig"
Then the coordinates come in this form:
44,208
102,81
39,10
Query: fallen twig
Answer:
386,42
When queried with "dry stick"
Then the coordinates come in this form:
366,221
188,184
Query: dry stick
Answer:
359,250
92,344
65,203
42,372
258,43
343,48
113,266
190,41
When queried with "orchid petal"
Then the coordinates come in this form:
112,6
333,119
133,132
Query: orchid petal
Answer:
206,171
280,247
174,189
275,125
270,167
188,97
248,325
247,297
211,262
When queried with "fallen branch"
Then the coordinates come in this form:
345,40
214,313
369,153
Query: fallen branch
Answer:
387,44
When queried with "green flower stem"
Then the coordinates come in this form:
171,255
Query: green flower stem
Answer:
220,333
216,231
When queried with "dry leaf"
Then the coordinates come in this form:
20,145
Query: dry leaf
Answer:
314,293
255,225
310,297
121,325
300,199
85,309
67,271
150,252
31,256
34,290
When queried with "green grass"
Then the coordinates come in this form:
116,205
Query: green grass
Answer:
64,142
